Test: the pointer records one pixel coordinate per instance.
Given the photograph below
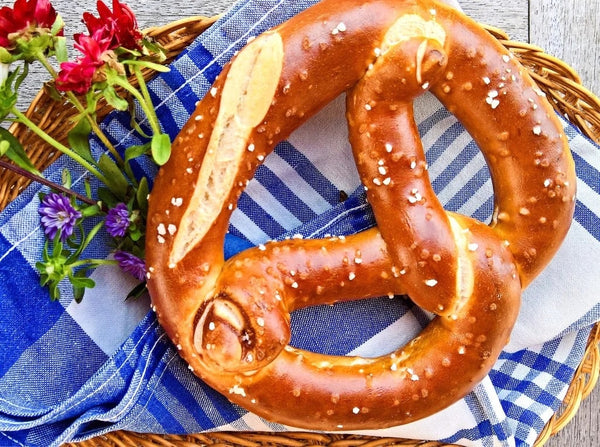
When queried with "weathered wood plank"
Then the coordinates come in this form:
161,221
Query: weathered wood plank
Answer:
508,15
570,30
153,12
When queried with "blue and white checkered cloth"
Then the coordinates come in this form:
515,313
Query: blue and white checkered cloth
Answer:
73,371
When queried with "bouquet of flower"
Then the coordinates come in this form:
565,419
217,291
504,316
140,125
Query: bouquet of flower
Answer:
112,55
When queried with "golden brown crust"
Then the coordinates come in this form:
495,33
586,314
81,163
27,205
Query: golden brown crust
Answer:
231,319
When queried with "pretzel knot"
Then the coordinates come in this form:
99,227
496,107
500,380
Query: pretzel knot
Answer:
231,319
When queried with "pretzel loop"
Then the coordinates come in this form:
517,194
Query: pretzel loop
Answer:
230,319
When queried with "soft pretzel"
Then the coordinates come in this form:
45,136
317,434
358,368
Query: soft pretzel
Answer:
230,319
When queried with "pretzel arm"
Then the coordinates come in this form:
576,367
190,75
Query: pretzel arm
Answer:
248,314
520,137
412,381
391,161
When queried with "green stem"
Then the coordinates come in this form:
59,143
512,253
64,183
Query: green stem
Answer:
44,61
144,89
93,262
84,111
96,128
56,144
146,106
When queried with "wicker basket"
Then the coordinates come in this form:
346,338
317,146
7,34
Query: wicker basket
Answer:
561,85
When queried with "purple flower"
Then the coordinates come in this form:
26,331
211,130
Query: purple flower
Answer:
131,264
58,215
117,220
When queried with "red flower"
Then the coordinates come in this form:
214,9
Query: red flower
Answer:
23,17
120,21
95,46
75,77
78,76
113,29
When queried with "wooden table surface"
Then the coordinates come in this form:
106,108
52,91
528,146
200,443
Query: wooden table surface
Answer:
567,29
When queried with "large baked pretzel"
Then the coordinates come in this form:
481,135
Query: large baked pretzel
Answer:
230,320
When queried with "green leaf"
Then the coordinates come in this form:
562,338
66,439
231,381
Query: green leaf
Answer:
78,293
54,291
50,90
73,242
80,282
153,49
21,77
161,148
137,291
107,197
58,25
151,65
5,56
90,211
83,282
46,252
92,98
8,96
60,49
4,147
79,140
115,100
121,51
142,194
88,187
133,123
91,235
135,234
135,151
117,182
57,247
15,152
66,178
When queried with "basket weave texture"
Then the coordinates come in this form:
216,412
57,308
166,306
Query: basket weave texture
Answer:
562,86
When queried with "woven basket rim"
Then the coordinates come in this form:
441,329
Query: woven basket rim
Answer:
573,100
